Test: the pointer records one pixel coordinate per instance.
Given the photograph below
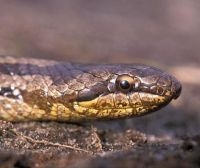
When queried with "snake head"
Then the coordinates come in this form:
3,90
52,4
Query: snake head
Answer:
128,91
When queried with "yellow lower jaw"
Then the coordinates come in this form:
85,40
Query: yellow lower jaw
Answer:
119,105
123,101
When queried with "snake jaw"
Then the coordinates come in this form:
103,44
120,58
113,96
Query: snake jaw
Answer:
119,105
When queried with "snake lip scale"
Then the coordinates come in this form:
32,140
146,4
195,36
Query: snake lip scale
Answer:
37,89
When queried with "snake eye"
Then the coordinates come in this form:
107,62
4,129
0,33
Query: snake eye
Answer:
124,83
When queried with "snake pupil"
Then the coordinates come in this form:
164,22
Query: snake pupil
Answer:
124,84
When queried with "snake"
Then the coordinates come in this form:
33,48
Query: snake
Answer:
33,89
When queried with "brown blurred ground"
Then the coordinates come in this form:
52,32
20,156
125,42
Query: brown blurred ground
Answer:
160,33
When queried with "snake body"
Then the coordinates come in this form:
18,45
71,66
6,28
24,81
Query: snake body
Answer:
35,89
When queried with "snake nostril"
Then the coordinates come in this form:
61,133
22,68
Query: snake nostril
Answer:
178,91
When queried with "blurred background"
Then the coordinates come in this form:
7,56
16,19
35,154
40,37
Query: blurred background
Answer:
162,33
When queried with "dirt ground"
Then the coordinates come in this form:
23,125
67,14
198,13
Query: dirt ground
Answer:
159,33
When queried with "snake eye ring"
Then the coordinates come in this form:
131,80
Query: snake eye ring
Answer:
124,83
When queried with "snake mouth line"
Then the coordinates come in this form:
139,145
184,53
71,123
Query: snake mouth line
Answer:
122,102
120,107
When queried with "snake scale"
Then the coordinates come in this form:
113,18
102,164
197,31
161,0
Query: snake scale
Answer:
36,89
